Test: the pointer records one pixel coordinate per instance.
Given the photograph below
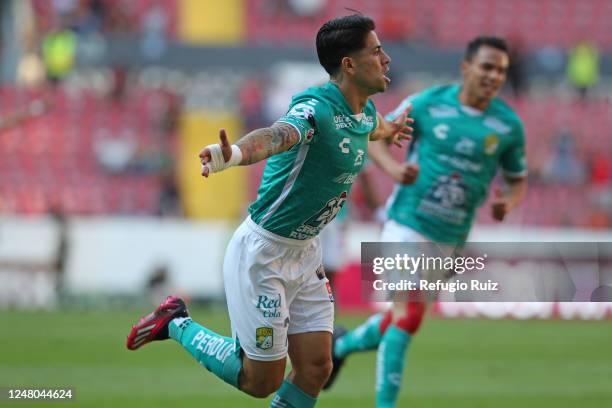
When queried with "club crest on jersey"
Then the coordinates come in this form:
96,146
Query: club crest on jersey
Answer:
264,338
491,143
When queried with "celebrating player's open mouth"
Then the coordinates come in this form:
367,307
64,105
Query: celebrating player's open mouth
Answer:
490,88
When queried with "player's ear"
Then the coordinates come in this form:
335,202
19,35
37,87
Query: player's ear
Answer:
347,65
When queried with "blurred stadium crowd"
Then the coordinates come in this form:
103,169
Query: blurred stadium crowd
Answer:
110,141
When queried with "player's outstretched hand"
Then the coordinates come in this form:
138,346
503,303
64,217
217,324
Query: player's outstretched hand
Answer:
399,129
500,205
206,154
406,173
395,131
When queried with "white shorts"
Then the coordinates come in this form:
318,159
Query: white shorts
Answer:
333,245
275,286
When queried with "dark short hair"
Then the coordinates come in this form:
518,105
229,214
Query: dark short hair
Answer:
474,45
340,37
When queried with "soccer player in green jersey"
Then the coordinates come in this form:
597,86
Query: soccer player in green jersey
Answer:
278,297
462,134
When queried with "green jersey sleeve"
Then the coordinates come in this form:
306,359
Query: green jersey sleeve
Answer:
305,115
513,160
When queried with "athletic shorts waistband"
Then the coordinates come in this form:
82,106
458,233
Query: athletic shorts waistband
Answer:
276,238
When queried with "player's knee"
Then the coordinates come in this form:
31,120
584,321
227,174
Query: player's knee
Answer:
317,371
413,317
263,389
261,384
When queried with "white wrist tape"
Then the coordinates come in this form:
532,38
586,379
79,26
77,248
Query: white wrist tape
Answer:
217,163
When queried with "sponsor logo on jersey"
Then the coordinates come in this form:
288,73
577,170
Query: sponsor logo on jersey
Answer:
446,199
343,122
490,143
497,125
346,178
443,111
309,135
269,306
317,222
264,337
359,158
465,146
368,120
460,163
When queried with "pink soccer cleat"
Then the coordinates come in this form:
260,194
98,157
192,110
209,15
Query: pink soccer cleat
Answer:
154,326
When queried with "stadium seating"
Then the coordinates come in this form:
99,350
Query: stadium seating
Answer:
446,22
50,160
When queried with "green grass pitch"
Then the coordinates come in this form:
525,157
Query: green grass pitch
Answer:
451,363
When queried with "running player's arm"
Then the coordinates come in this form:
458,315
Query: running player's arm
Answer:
503,203
403,173
262,143
255,146
514,166
378,151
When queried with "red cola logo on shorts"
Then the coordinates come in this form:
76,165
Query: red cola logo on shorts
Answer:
269,306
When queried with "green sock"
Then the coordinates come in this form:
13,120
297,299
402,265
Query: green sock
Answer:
390,366
365,337
220,355
290,395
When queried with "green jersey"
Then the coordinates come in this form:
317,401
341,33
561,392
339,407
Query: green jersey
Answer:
303,188
458,149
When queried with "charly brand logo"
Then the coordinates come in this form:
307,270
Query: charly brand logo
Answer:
441,131
269,306
264,337
343,145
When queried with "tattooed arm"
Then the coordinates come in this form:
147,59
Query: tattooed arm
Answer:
256,146
262,143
